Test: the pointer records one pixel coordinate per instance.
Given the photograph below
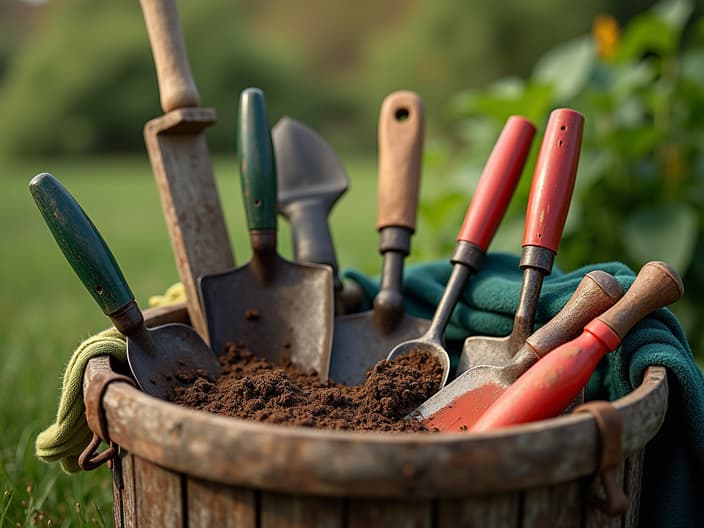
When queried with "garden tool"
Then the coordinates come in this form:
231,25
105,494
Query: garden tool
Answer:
310,181
551,384
490,200
548,204
597,292
178,153
277,308
361,340
158,357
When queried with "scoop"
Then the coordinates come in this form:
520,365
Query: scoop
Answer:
549,385
548,204
480,386
275,307
360,340
159,356
490,200
310,181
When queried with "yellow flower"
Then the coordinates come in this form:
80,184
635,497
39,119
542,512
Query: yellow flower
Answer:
605,32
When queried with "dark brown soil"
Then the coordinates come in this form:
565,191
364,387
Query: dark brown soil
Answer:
255,389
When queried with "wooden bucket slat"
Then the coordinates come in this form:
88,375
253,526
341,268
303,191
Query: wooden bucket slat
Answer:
158,495
212,504
233,472
501,509
557,506
382,513
280,510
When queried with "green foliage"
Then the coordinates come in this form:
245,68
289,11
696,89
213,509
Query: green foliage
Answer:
85,81
640,185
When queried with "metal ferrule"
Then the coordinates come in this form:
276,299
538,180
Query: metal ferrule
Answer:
471,255
537,257
264,255
395,238
128,318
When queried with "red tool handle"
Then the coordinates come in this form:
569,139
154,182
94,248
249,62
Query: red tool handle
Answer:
553,382
553,180
497,183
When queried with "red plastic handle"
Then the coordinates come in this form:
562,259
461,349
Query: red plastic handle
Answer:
546,388
553,179
497,183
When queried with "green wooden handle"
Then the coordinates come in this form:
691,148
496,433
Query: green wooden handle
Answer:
81,243
256,158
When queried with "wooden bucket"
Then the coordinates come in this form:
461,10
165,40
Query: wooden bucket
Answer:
180,467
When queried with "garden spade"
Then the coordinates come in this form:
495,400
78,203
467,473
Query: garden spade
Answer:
310,181
551,384
275,307
490,200
548,204
158,356
179,157
361,340
480,386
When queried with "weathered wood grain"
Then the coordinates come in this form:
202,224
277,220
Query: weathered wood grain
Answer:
381,513
212,504
280,510
479,511
558,506
157,496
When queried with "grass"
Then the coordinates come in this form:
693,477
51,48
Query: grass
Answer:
45,311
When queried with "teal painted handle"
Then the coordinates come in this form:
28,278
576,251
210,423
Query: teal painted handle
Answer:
256,158
81,243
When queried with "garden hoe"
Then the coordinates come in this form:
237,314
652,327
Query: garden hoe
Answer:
179,157
310,181
480,386
552,383
490,200
158,357
276,308
548,204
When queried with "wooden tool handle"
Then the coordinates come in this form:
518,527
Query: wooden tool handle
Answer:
553,180
401,129
81,243
498,182
657,285
553,382
256,158
176,86
597,292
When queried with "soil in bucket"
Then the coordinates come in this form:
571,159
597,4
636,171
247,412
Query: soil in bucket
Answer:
254,388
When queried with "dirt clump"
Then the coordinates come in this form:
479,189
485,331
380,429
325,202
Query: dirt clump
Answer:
256,389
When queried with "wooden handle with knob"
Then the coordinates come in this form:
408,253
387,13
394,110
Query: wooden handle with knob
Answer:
176,86
598,291
657,285
401,129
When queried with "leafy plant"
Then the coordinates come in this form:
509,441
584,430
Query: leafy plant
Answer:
640,185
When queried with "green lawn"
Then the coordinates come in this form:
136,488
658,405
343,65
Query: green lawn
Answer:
45,312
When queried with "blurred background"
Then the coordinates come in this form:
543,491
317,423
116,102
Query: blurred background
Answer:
77,85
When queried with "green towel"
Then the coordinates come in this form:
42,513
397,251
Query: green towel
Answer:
673,474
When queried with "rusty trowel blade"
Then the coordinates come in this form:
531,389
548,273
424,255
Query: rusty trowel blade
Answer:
358,344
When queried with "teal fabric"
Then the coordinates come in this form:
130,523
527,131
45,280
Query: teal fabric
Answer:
672,491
